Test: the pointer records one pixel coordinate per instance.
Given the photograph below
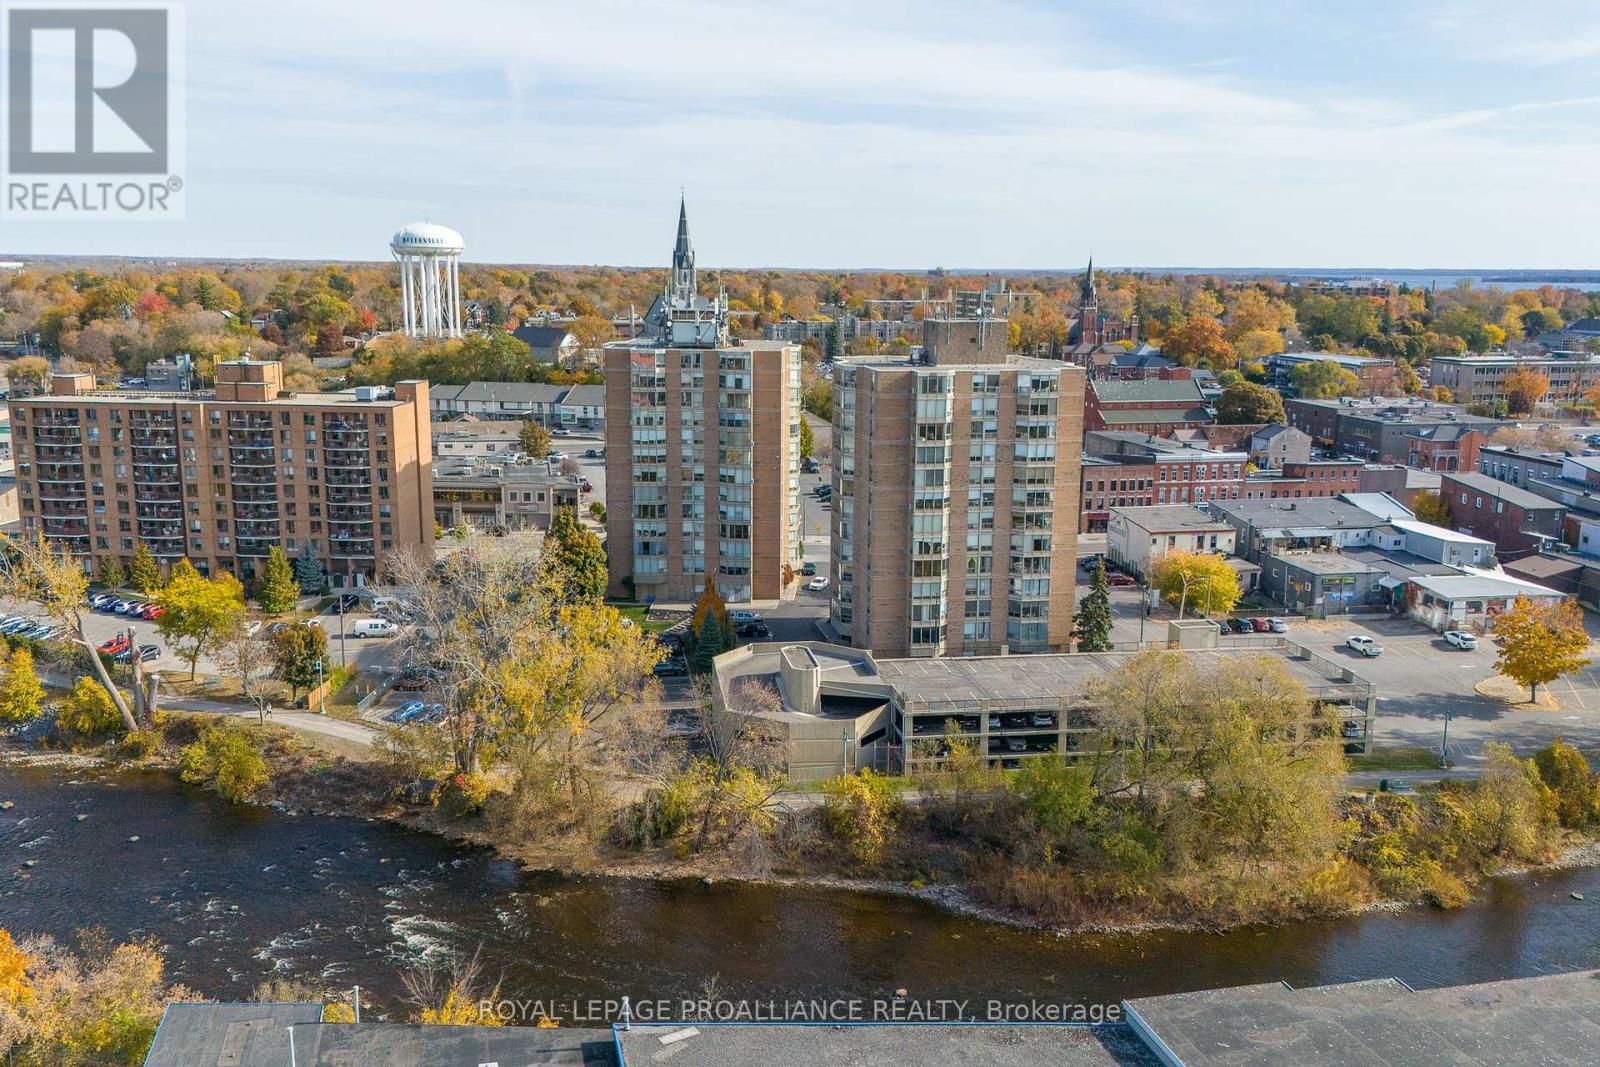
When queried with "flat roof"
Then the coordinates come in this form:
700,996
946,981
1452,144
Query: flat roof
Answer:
1479,584
884,1045
1171,517
241,1033
1550,1019
1145,390
169,398
1428,529
1325,563
977,680
1319,512
416,1045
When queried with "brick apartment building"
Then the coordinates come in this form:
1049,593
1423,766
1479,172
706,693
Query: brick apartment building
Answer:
1311,478
1139,470
702,451
955,490
1517,521
223,477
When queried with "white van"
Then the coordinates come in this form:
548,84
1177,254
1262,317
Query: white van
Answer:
373,628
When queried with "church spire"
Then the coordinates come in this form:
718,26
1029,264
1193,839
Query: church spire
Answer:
684,282
1087,293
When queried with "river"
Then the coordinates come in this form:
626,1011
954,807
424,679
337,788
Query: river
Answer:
237,895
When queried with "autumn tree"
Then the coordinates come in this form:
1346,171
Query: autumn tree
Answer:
228,760
711,630
1198,342
534,439
1429,505
1524,389
21,693
1091,624
110,574
28,376
1570,779
808,440
277,592
1199,580
87,712
1246,403
199,611
1323,379
144,573
1540,642
33,570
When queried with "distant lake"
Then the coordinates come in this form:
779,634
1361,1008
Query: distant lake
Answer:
1586,280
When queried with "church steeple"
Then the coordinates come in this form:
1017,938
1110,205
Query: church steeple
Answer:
684,282
1089,332
1086,294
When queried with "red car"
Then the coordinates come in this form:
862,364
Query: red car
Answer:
154,611
1119,579
1260,626
115,645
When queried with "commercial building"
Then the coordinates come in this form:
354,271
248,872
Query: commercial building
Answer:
955,502
1460,601
1519,466
1378,429
1139,470
1172,400
498,498
843,709
1515,519
1481,380
702,451
1376,374
1298,479
1139,538
1274,445
465,440
222,477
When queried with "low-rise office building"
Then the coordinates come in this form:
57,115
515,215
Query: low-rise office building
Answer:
1481,379
1127,469
498,498
476,440
841,709
1376,374
1378,429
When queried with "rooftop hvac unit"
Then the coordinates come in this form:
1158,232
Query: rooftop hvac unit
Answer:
369,392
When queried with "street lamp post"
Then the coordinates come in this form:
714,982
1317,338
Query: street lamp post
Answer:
322,698
1444,745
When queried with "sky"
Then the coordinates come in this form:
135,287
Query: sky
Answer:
877,133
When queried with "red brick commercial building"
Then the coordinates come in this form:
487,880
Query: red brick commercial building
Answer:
1138,470
1170,401
1516,520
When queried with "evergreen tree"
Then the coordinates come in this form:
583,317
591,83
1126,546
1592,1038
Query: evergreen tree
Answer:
710,629
308,573
1091,626
573,558
111,574
277,592
144,573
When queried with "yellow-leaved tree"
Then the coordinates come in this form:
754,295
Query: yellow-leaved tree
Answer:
199,610
1202,581
1540,642
21,693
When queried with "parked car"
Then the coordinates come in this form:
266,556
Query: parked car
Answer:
1041,719
146,654
1363,644
100,600
1259,625
818,584
152,611
742,615
994,722
809,466
407,711
1350,728
591,454
373,628
560,431
755,631
1016,744
115,645
1277,626
672,667
1461,639
808,570
1119,579
1239,626
1088,563
1395,785
47,632
128,607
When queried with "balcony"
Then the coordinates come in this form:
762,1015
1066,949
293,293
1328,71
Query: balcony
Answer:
75,509
77,544
256,509
338,512
255,457
159,530
159,511
257,495
352,460
249,420
256,546
59,453
253,475
347,497
256,527
345,426
348,478
48,417
350,548
62,526
58,435
156,493
154,454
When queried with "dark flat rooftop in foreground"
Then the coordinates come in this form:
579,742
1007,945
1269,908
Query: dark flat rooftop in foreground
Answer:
1551,1019
868,1045
412,1045
227,1034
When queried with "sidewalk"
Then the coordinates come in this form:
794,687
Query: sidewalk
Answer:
294,720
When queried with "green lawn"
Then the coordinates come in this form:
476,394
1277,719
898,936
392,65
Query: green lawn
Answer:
1400,758
637,613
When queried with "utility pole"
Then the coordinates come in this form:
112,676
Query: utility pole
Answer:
342,660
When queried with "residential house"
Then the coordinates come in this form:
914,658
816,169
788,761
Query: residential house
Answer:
554,345
583,408
500,400
1274,445
1139,538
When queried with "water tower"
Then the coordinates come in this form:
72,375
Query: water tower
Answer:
430,279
